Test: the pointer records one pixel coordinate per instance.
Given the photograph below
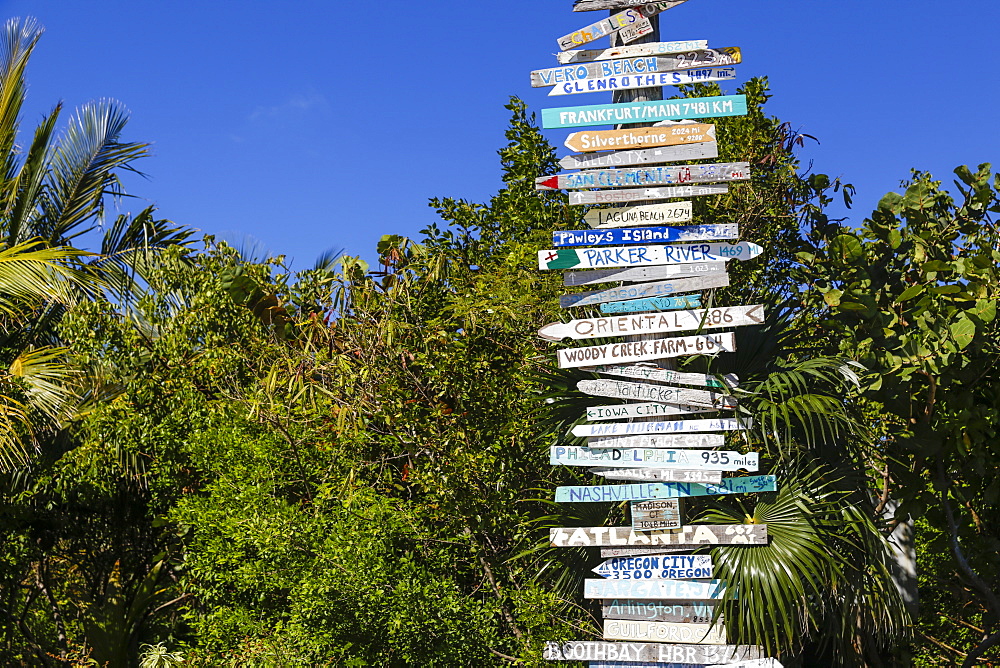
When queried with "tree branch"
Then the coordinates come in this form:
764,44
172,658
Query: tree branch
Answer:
496,589
980,649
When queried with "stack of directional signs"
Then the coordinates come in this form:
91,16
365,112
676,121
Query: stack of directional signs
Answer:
658,598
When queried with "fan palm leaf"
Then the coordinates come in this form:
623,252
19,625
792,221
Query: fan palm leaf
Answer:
31,274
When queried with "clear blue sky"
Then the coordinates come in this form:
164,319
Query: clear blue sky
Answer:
316,124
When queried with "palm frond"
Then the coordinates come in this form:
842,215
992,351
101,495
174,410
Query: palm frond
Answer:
47,380
30,274
17,41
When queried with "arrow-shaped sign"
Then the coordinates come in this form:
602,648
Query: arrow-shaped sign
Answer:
643,214
651,655
644,351
644,112
667,394
633,256
654,323
645,156
636,81
655,611
645,176
591,5
652,567
648,372
660,475
675,590
644,194
655,289
644,235
640,66
614,23
671,427
660,135
643,631
629,411
664,490
714,460
571,278
633,51
636,306
694,534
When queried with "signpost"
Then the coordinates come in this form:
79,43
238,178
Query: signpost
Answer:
714,460
596,276
633,256
640,441
645,176
695,534
644,194
644,112
658,611
629,411
633,51
655,567
655,289
591,5
702,634
669,135
636,306
642,65
675,590
665,490
661,475
695,440
665,303
666,394
632,82
671,427
654,323
668,375
656,514
640,235
587,650
644,351
615,23
643,156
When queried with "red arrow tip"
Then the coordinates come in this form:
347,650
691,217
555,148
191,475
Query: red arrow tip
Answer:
550,183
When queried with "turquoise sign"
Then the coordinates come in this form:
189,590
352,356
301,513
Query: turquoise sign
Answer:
644,112
665,490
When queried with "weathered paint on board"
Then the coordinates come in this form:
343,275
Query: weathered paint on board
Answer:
635,306
661,475
658,611
614,23
696,440
662,135
664,490
636,81
630,411
591,5
656,289
644,112
666,427
637,66
644,194
640,441
714,460
644,156
635,31
699,634
675,590
657,514
592,650
631,256
666,394
753,663
654,323
667,303
634,51
655,567
645,176
640,235
647,372
644,351
595,276
694,534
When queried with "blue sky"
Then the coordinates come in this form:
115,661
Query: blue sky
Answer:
315,124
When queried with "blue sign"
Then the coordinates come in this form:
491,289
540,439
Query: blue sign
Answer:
651,304
640,235
665,490
644,112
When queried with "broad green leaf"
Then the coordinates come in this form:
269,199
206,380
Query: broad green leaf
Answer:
963,331
910,293
846,249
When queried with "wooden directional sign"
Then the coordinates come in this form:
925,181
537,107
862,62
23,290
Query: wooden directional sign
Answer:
675,590
666,394
658,611
591,5
580,74
640,441
656,567
645,176
639,305
700,634
644,156
610,552
694,534
687,441
667,375
714,460
635,81
590,650
630,411
660,475
664,303
614,23
654,323
634,51
753,663
644,235
656,289
642,273
644,351
644,194
661,135
644,112
631,256
656,514
671,427
665,490
635,31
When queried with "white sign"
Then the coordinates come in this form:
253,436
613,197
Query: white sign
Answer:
635,81
644,351
714,460
632,256
674,427
654,323
644,156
